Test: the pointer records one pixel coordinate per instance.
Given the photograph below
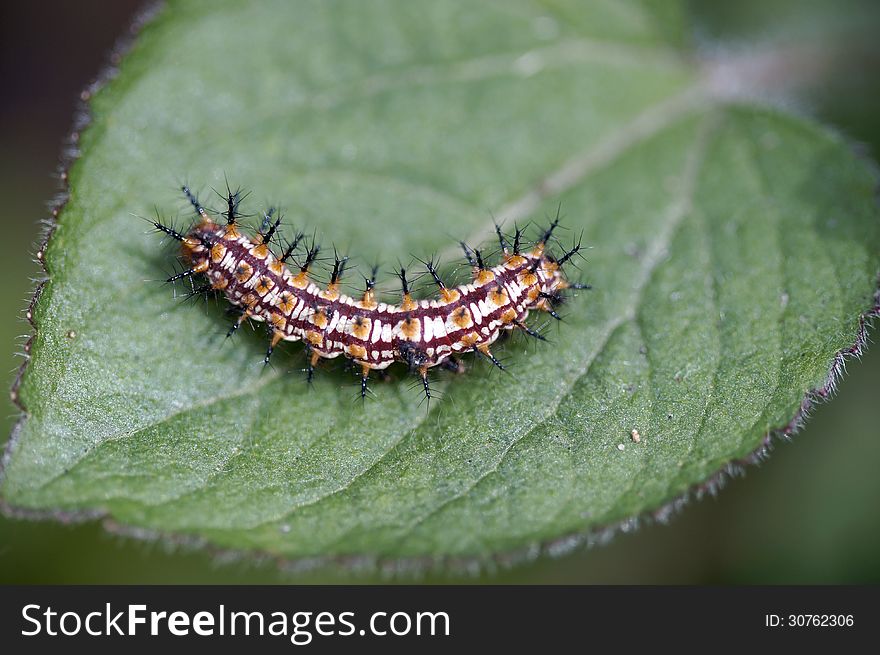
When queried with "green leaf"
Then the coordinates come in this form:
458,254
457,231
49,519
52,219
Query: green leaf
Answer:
734,249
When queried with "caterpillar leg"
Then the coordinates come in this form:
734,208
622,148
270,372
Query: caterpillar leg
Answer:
452,364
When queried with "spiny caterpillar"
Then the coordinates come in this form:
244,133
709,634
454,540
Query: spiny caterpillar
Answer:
420,333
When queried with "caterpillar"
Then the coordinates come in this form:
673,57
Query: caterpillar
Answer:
421,333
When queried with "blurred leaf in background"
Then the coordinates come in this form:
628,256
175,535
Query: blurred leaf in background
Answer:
627,558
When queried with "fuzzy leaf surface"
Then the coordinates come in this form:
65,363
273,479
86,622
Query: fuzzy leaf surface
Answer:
733,250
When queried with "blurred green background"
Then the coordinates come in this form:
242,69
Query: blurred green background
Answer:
811,514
